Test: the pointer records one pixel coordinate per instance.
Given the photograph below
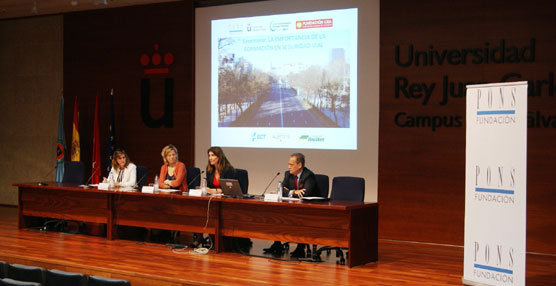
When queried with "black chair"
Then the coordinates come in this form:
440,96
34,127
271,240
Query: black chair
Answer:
141,175
3,269
243,178
61,278
348,189
323,187
345,189
103,281
193,177
74,172
322,184
12,282
26,273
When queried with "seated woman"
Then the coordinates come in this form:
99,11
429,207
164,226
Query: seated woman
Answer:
173,172
172,176
123,173
218,167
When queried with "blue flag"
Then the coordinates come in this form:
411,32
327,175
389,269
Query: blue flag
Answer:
111,133
60,145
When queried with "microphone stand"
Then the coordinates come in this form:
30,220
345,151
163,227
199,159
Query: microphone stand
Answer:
189,184
41,183
137,182
86,185
277,174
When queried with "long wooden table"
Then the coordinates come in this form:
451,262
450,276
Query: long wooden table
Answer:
347,224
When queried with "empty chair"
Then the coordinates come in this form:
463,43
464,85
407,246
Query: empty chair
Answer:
61,278
141,175
103,281
193,177
26,273
3,269
74,172
345,189
348,189
12,282
322,184
243,178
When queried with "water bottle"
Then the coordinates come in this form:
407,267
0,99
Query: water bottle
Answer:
279,191
204,185
155,183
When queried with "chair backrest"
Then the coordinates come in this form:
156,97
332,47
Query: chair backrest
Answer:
193,178
3,269
141,175
348,189
243,178
322,184
26,273
74,172
61,278
12,282
103,281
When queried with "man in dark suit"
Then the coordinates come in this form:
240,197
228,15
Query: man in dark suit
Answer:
298,182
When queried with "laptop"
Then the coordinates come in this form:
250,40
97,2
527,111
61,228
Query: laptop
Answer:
231,187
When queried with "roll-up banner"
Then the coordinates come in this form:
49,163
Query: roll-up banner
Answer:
495,184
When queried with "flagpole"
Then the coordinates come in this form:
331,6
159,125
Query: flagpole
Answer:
111,132
96,149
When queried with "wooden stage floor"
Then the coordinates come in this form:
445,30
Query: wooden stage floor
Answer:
400,263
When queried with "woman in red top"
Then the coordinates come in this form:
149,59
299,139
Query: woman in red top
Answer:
173,172
218,167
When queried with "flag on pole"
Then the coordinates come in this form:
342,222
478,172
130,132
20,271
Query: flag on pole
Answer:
111,133
60,144
95,173
75,146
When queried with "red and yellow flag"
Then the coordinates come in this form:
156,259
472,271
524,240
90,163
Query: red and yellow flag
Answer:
75,146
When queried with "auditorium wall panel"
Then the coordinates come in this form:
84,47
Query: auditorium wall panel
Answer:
421,168
30,90
103,50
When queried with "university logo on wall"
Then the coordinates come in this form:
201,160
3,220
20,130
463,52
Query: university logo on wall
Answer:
156,64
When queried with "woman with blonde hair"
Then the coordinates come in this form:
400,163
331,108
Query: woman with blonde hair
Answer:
173,172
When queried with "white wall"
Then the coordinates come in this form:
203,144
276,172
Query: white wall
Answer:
263,164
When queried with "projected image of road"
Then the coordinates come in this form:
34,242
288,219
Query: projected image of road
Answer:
283,108
304,83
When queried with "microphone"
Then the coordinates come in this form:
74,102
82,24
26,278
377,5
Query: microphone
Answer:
277,174
86,185
189,185
41,183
